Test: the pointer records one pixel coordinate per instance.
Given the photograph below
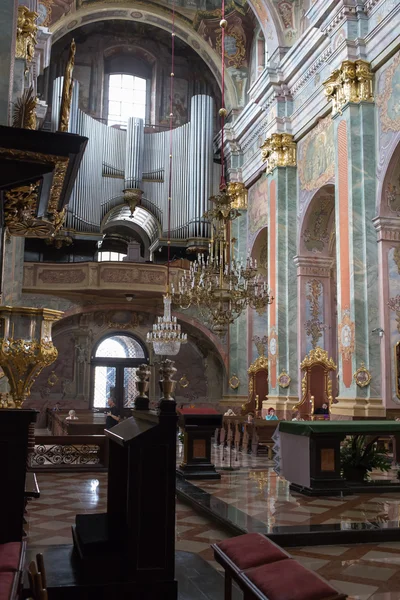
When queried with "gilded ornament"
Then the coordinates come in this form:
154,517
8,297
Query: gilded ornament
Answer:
261,363
133,198
284,379
184,381
26,33
352,82
388,101
316,357
237,190
68,84
238,58
314,327
234,382
279,150
24,115
362,376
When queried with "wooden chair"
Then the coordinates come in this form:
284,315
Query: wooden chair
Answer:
316,383
37,578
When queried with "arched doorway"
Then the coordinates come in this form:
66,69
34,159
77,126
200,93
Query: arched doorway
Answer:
114,360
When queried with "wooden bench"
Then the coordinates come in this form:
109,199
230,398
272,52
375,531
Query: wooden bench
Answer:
264,571
12,558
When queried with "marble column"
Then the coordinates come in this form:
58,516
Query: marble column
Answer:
282,280
357,261
8,22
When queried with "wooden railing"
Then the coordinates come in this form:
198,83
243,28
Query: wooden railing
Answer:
76,453
255,437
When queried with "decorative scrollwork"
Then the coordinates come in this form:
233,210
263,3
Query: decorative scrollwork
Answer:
362,376
352,82
26,33
65,455
234,382
279,150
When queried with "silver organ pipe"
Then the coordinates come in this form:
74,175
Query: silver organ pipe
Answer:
117,159
200,163
134,154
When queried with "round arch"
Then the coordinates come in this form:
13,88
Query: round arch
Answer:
84,16
317,223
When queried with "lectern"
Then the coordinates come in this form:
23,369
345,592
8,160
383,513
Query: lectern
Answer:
132,547
14,427
199,425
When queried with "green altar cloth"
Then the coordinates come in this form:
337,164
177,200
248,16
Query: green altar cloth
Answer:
347,427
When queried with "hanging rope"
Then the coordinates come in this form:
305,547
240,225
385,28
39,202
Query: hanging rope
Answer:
222,111
171,125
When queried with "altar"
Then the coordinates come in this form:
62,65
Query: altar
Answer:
310,455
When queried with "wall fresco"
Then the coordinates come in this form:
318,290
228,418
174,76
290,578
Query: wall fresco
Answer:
316,156
314,326
388,102
257,213
394,290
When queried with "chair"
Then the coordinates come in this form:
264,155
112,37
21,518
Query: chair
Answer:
37,578
316,385
258,386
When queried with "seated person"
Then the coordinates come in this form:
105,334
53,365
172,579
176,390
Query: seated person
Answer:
56,407
296,416
112,416
250,418
271,416
71,416
322,410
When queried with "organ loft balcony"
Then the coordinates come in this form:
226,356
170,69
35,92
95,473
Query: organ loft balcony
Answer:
113,280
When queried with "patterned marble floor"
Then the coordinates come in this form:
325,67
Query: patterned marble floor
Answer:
256,490
365,571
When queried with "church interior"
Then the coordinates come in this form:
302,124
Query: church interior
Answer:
200,299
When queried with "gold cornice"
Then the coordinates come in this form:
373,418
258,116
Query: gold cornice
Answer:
279,150
237,190
261,363
352,82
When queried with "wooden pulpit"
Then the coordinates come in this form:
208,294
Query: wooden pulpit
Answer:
132,547
14,427
198,426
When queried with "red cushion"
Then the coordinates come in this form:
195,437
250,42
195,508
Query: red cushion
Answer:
10,556
6,583
251,550
288,580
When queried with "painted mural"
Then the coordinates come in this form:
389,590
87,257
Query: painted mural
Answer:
389,96
316,156
314,326
257,213
317,233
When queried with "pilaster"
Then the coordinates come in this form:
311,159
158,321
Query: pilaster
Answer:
8,23
350,90
280,153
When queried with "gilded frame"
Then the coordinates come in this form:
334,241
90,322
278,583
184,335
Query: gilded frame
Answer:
284,379
362,376
234,382
318,356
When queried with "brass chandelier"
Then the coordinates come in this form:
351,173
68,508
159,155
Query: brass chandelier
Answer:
219,285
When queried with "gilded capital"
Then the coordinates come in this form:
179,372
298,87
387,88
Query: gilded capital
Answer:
26,33
352,82
279,150
238,192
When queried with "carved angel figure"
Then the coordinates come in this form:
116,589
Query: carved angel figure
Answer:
26,33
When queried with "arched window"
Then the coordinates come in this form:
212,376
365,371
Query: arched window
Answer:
115,360
126,98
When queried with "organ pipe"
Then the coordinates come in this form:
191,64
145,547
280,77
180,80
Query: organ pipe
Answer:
134,154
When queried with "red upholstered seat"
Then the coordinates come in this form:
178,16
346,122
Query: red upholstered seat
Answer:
251,550
288,580
6,583
10,556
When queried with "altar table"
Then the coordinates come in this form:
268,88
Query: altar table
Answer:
310,454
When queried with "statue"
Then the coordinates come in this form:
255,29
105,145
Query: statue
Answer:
26,33
66,97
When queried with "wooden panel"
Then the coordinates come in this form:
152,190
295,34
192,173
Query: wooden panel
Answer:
327,459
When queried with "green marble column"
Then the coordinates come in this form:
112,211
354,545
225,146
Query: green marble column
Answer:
238,330
282,278
357,261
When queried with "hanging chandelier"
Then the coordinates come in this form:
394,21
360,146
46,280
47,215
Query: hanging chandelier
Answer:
219,285
166,335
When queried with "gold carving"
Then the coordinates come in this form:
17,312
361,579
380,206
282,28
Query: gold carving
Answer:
234,382
24,115
184,381
260,363
239,57
68,84
60,165
26,33
362,376
352,82
20,208
318,356
238,192
279,150
314,327
132,197
284,379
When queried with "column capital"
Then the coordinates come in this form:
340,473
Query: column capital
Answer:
388,228
351,82
238,191
279,150
313,266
